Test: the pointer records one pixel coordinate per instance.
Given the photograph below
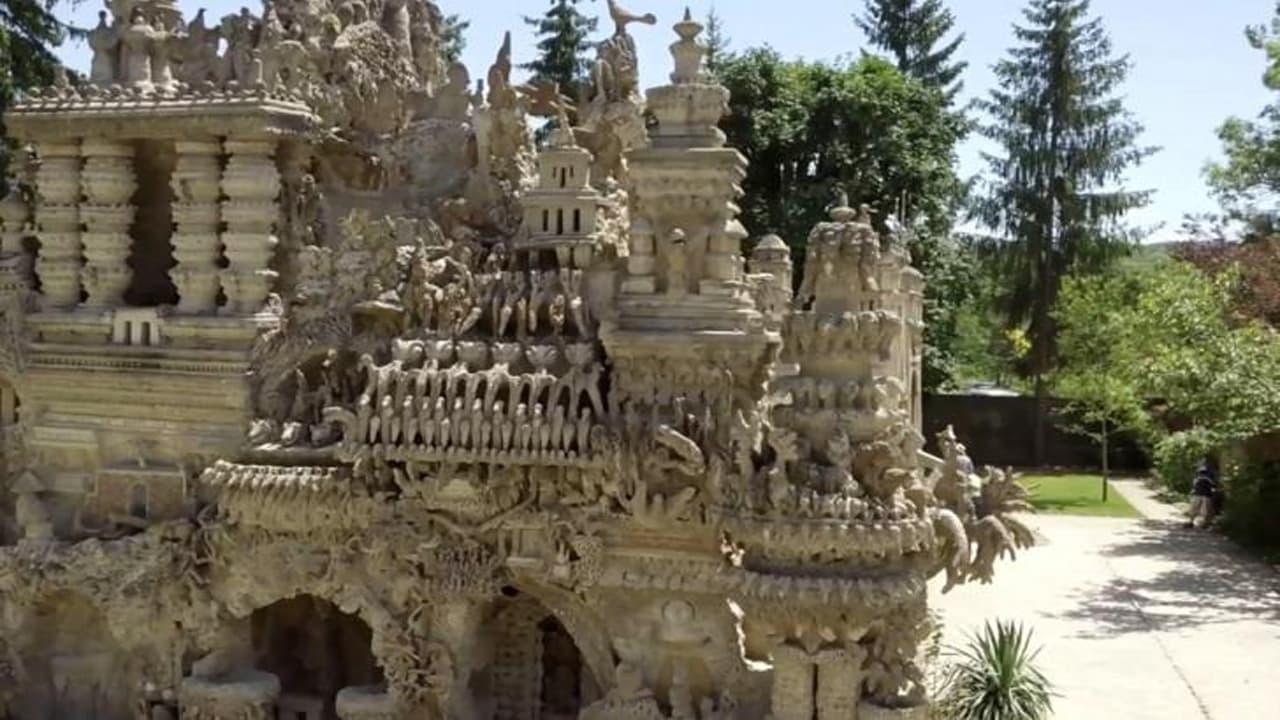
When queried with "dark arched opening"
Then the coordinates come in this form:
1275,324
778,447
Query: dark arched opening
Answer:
315,650
538,669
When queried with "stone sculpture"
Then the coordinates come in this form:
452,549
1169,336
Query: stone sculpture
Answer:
403,418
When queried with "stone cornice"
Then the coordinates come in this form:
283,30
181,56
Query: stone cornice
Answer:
55,119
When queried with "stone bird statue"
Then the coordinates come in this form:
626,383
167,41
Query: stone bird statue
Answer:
622,18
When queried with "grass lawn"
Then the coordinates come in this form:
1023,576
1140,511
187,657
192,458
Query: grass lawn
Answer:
1076,495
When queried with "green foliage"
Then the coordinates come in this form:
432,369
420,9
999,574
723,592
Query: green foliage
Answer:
1178,455
1246,182
914,34
994,677
454,38
887,139
563,49
1075,495
1093,324
1052,197
28,33
1253,504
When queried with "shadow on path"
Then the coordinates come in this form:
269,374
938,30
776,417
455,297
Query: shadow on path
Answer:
1165,577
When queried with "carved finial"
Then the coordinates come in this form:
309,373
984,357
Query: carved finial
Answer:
840,210
687,51
864,214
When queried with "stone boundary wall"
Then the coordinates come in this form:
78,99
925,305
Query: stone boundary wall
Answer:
1000,431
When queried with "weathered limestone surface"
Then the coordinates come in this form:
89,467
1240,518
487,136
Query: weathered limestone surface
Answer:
323,393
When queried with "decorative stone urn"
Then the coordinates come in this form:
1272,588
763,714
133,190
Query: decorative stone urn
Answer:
369,702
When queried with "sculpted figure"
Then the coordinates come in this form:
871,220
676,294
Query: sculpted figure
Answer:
105,43
677,264
240,33
137,39
200,51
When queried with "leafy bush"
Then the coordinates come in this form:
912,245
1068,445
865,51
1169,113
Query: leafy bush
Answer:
1178,455
1253,504
994,677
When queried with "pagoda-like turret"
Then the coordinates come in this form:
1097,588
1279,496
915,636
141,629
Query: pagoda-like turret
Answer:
563,213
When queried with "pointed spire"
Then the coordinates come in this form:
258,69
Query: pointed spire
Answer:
687,51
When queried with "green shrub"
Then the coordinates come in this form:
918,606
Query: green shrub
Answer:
1178,455
1252,512
994,677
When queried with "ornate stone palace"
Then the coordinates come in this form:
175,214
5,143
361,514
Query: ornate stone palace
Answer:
324,393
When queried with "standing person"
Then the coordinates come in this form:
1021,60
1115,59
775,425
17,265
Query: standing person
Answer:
1203,490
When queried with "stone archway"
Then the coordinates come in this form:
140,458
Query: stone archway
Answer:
315,650
538,670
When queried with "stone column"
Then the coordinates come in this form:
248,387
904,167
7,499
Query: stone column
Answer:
642,259
722,266
839,684
247,695
251,184
197,215
58,223
792,684
15,213
109,183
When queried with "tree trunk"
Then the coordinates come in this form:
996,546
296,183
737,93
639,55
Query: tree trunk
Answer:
1106,466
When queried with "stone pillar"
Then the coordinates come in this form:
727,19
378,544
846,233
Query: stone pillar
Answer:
722,267
58,223
839,684
251,184
792,684
456,624
109,183
642,260
197,216
15,213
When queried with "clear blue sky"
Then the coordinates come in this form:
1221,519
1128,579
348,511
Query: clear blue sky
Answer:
1191,65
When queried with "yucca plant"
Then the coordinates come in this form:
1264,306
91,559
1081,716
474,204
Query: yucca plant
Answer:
994,677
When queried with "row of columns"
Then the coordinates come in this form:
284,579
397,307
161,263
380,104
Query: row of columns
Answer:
83,213
825,685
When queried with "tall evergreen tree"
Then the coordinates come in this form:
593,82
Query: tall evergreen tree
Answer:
1053,196
914,34
717,42
454,31
562,51
28,33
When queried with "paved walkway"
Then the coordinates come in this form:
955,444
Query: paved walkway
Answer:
1139,619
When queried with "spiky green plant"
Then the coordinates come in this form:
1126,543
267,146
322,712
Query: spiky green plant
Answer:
994,677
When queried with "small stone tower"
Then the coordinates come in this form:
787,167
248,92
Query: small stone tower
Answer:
563,213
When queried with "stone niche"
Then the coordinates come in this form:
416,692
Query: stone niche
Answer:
74,668
315,650
144,494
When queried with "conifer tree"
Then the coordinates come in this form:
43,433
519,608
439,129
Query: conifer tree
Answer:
1053,196
454,40
717,42
562,51
28,33
913,33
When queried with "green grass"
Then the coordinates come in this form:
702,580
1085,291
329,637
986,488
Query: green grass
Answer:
1076,495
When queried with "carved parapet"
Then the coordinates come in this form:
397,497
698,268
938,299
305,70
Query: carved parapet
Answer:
247,695
863,538
367,703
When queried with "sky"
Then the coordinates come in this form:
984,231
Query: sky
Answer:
1191,65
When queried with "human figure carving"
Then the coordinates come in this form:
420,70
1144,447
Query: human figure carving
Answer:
104,40
137,40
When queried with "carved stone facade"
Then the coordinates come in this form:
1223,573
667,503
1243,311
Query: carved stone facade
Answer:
324,395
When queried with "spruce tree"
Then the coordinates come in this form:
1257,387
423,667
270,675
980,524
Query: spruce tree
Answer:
563,50
1052,196
913,33
717,42
28,33
454,37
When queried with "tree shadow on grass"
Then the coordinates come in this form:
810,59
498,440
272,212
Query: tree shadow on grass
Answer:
1208,581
